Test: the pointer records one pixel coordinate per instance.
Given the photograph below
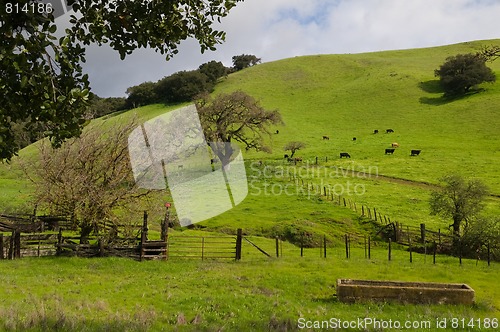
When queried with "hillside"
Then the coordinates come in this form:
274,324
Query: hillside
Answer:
346,96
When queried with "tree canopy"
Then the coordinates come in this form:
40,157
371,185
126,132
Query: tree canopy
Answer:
459,200
462,72
41,78
244,61
235,117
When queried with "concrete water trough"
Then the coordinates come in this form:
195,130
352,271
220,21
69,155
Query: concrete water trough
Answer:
350,291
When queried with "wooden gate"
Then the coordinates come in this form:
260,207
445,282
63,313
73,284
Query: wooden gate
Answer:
202,247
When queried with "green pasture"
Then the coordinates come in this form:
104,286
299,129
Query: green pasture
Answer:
256,293
343,96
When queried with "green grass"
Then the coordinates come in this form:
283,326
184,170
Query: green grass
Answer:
256,293
342,96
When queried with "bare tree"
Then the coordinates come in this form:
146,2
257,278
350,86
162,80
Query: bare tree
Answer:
88,178
294,146
235,117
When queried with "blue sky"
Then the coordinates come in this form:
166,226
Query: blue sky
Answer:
276,29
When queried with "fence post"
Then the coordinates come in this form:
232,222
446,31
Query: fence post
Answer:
344,202
316,160
302,245
369,248
375,213
324,245
101,248
409,245
11,245
202,248
489,251
277,247
239,237
389,249
365,248
144,234
460,250
59,242
422,232
434,253
346,247
1,247
362,210
17,245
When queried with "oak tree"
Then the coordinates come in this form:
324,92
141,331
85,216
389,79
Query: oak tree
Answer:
462,72
235,117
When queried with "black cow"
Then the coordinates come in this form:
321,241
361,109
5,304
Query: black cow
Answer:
326,137
375,131
345,154
286,156
388,131
354,138
277,131
415,152
389,151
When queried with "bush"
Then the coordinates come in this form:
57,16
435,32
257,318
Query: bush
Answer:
478,235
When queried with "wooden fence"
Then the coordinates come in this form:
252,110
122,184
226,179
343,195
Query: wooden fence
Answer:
396,231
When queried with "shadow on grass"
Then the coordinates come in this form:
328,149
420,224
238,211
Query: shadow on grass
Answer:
434,87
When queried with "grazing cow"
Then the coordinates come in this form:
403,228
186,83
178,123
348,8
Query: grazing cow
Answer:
345,154
354,138
415,152
297,159
395,145
389,151
277,131
286,156
326,137
375,131
388,131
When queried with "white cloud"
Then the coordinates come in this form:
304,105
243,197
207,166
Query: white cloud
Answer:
275,29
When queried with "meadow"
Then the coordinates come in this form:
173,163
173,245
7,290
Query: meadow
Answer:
340,96
256,293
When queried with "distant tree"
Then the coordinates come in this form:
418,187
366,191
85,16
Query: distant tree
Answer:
294,147
102,106
462,72
459,200
235,117
213,70
244,61
142,94
183,86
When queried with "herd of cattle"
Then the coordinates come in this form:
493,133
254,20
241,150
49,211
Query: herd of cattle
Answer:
388,151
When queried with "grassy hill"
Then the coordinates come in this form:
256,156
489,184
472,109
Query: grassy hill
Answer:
346,96
341,96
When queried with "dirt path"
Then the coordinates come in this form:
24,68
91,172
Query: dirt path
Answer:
419,184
